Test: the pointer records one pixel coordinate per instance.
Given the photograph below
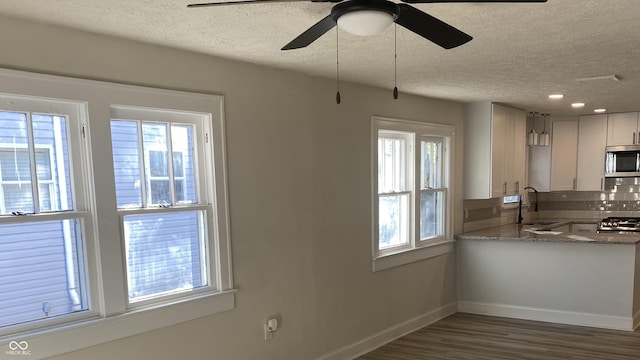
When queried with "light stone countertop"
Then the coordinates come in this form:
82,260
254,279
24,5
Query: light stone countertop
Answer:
571,231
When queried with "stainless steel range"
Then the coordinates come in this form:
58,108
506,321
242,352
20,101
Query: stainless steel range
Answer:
619,224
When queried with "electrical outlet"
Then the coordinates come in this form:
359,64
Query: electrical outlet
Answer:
268,334
269,328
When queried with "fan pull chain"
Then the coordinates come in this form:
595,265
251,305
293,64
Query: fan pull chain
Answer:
337,66
395,61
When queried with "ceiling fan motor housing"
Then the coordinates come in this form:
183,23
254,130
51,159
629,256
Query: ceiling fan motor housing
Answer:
365,5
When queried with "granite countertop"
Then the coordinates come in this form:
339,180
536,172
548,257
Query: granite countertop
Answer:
573,231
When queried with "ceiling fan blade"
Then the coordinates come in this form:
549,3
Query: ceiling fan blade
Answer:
311,34
471,1
236,2
430,28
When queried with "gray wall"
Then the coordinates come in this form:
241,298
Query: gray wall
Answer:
300,202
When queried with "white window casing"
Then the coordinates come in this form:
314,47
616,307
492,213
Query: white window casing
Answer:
439,240
89,106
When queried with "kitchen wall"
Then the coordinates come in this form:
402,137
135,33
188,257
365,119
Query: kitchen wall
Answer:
300,199
621,197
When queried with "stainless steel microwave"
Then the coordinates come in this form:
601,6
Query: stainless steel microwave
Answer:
621,161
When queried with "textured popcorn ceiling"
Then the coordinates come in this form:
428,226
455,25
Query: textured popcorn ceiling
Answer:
520,52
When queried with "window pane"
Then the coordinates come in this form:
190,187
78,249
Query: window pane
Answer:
15,165
160,191
40,270
126,163
393,222
128,166
165,253
17,197
392,169
51,155
158,164
431,214
52,160
511,199
15,171
184,163
154,139
431,165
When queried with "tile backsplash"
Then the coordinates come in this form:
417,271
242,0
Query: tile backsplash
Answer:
621,198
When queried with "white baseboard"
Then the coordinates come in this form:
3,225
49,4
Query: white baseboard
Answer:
385,336
550,315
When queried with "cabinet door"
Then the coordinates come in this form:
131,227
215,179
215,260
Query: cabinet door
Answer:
498,149
592,141
519,150
509,158
622,129
564,154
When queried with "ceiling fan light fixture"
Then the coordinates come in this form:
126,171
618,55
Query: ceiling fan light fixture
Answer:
365,22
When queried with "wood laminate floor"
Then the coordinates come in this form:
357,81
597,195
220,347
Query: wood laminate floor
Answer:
476,337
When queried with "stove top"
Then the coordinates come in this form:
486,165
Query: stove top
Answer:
631,224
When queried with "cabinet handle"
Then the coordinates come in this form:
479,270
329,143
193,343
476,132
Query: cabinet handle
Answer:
574,184
634,138
601,183
504,188
517,186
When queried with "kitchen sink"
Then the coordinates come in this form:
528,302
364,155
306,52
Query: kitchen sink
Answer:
540,223
564,226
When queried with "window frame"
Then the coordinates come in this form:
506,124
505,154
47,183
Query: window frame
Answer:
417,249
109,318
204,167
444,180
409,166
76,115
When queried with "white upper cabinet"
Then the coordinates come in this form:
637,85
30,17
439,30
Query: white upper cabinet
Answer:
519,169
592,140
495,150
623,129
564,155
498,155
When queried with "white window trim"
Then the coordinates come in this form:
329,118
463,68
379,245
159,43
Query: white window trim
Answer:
110,318
424,249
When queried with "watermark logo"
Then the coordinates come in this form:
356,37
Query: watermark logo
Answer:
18,348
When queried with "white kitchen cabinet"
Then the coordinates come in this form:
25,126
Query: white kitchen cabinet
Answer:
498,146
517,176
622,129
495,149
592,140
564,155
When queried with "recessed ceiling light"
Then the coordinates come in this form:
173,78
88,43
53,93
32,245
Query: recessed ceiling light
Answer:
600,110
577,105
556,96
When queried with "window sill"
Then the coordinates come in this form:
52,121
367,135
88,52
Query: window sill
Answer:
71,337
437,248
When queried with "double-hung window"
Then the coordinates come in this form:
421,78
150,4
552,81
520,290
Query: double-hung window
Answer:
161,166
113,212
412,171
43,213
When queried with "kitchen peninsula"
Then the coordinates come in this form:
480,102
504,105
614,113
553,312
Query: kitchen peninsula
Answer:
555,272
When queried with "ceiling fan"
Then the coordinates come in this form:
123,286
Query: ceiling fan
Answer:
369,17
